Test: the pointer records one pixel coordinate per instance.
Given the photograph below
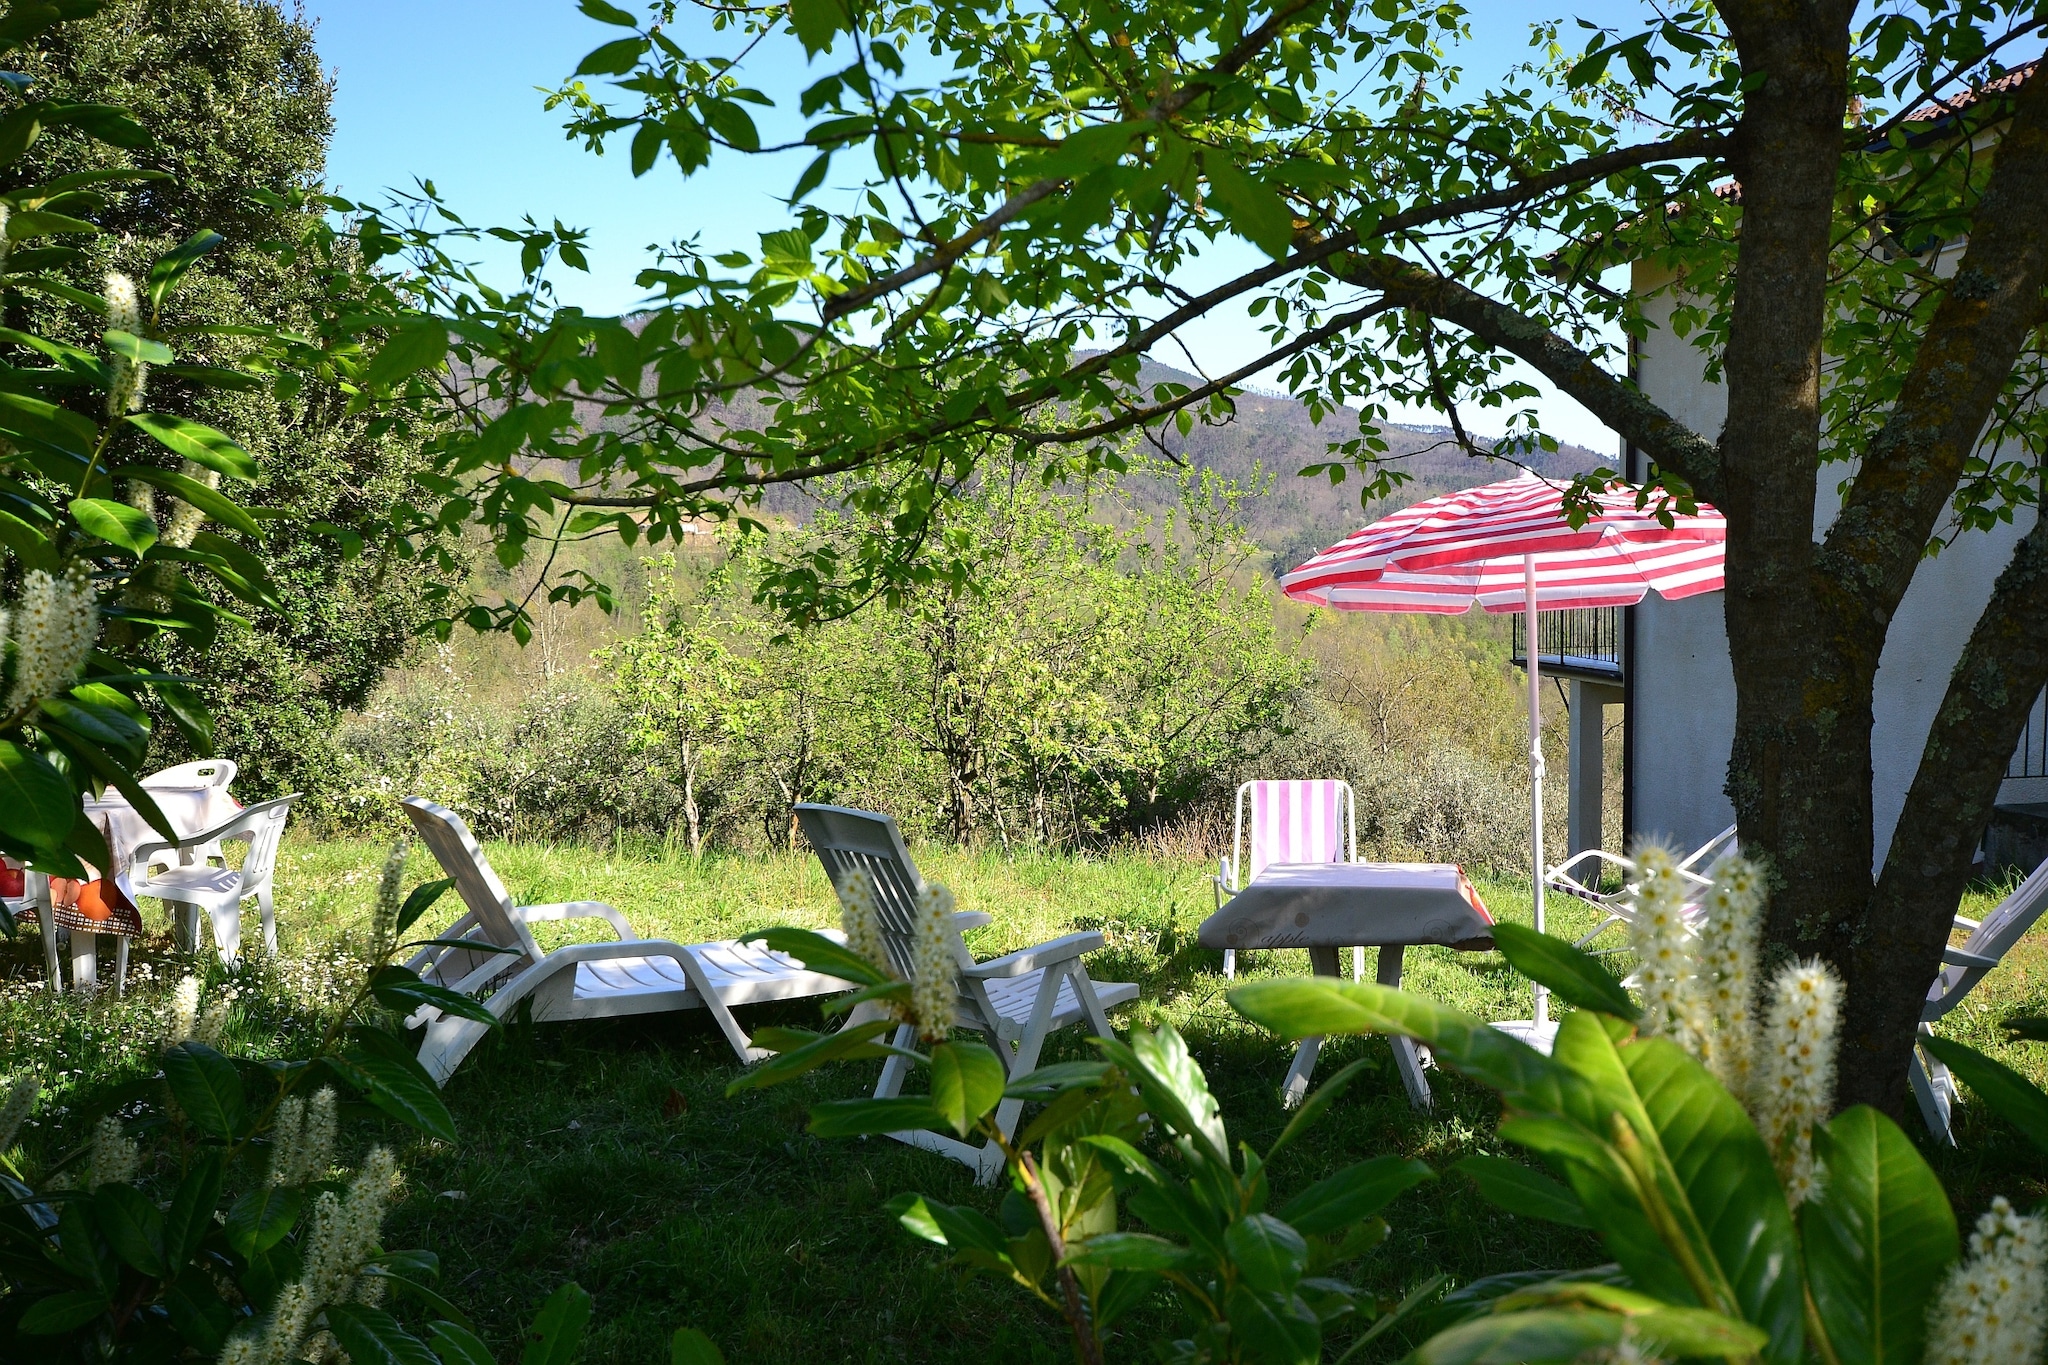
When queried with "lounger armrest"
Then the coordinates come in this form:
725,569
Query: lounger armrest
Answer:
1965,922
581,910
1062,949
1596,856
1956,957
963,920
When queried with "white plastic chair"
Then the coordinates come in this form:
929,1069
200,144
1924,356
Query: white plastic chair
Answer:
583,980
1291,822
1990,940
219,891
1580,875
203,772
1015,1001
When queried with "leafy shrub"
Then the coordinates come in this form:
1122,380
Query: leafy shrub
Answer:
208,1219
563,764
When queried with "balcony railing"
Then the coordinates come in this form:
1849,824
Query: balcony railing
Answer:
1581,643
2031,758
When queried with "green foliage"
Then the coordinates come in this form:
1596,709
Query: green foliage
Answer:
1250,1283
79,487
119,1251
333,620
970,265
1664,1164
1104,671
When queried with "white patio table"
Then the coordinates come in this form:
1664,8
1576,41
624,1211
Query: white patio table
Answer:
1324,907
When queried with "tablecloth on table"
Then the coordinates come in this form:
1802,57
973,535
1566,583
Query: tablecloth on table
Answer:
1347,905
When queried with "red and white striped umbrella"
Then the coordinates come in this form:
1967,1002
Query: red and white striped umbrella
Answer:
1508,547
1448,553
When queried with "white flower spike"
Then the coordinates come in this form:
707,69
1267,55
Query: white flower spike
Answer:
124,314
933,967
1795,1070
1993,1305
1728,946
1674,999
54,628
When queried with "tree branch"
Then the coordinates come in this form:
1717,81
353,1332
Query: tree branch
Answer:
1979,328
1165,107
2002,670
1618,403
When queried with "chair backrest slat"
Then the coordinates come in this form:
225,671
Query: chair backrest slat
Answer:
1293,822
462,858
867,841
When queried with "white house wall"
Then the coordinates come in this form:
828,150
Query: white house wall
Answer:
1684,688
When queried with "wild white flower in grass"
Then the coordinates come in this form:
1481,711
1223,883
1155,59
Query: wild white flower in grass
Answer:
21,1102
1795,1070
1727,966
54,627
124,314
859,919
1674,1000
1993,1305
115,1159
932,965
6,242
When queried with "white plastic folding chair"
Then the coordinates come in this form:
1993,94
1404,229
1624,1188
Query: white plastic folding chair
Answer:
219,891
1990,940
582,980
1015,1001
1291,822
1580,876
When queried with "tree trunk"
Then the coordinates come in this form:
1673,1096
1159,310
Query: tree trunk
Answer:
1807,623
1800,771
690,811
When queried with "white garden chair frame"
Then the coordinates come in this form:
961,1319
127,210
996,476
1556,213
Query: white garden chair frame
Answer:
219,891
1015,1001
1990,940
1580,875
1296,840
583,980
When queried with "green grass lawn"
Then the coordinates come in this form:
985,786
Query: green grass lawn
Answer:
607,1152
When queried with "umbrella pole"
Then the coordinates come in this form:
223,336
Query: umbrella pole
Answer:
1529,617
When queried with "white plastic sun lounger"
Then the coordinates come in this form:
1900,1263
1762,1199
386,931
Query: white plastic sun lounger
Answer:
584,980
1580,875
1990,940
1014,1001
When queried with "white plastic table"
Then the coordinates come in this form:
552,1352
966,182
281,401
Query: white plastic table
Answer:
1324,907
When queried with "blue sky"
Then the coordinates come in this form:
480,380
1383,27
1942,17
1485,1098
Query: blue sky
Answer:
449,90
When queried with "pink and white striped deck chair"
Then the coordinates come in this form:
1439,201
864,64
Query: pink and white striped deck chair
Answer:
1290,822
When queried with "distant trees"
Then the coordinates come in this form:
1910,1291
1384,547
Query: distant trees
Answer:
1102,670
235,102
